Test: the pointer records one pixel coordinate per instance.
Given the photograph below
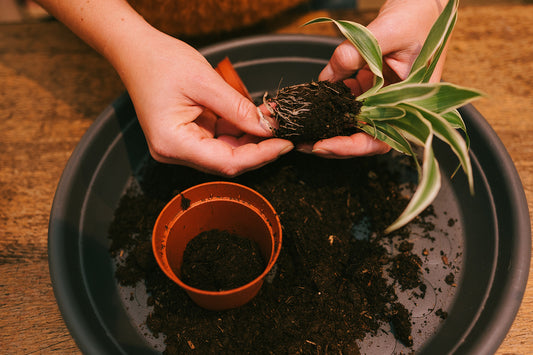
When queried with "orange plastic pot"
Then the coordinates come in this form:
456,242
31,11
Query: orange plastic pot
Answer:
226,70
216,205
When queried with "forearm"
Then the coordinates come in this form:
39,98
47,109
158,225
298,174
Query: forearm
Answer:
111,27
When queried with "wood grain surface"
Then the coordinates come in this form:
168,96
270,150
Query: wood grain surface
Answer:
53,86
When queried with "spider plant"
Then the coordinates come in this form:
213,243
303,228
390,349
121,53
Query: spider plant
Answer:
412,112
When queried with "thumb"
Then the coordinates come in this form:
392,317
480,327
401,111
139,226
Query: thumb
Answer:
344,62
231,105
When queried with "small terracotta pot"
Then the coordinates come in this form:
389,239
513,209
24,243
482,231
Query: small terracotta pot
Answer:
216,205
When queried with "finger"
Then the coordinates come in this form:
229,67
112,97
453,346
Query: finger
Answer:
225,127
395,73
238,141
359,144
344,62
228,157
362,81
229,104
207,121
220,158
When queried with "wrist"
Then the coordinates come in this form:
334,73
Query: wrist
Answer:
399,21
423,10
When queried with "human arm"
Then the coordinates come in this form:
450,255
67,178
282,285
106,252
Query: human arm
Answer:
171,86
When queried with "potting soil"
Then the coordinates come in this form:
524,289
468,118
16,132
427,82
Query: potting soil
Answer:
335,283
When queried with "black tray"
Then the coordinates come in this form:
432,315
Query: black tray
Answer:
492,235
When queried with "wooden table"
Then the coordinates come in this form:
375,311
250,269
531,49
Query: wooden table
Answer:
52,87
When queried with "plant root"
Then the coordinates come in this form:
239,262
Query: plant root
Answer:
313,111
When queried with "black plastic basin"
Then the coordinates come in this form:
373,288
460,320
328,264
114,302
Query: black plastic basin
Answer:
492,232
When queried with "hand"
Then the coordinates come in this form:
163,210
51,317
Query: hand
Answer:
191,116
401,29
188,113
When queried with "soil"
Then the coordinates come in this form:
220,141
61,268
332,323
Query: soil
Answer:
334,280
313,111
406,267
217,260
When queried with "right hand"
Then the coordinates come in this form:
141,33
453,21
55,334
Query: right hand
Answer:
400,29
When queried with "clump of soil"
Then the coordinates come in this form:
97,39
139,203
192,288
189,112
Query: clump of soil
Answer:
450,279
309,112
217,260
406,267
442,314
401,324
329,288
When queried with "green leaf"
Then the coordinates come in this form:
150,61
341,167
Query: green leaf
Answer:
399,94
381,113
447,97
455,119
433,63
428,186
444,130
367,46
414,78
426,191
388,134
413,128
435,42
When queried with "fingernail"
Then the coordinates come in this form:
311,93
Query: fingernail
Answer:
326,74
287,149
305,149
265,124
320,151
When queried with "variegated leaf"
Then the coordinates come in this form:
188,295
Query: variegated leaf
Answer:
391,96
379,113
367,46
435,41
444,131
426,191
447,97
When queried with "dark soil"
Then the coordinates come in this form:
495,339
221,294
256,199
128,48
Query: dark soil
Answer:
406,267
442,314
309,112
217,260
330,286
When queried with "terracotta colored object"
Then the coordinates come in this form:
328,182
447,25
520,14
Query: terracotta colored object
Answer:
226,70
216,205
